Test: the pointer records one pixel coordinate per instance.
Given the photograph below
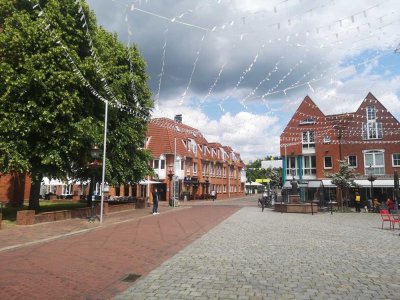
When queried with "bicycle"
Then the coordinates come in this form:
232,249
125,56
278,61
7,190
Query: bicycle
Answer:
266,200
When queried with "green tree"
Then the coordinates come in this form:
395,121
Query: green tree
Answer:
344,179
49,118
254,171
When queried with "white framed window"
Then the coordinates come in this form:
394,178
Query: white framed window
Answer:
308,139
352,161
307,121
182,164
374,159
371,113
372,131
291,165
224,188
396,159
188,167
162,164
194,168
328,162
327,139
156,164
309,165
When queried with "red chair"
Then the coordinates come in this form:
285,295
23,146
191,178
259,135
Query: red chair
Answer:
395,219
386,217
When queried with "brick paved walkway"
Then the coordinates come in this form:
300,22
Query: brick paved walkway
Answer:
75,259
254,255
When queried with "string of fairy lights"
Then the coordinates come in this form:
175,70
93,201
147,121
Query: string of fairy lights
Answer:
346,127
305,80
339,22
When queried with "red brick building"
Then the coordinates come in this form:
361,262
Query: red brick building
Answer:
369,139
200,166
14,188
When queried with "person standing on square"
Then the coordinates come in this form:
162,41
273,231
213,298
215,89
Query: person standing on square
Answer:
155,202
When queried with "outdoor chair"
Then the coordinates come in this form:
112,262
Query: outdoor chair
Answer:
386,217
395,219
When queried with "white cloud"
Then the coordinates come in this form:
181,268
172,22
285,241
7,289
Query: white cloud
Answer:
245,132
333,51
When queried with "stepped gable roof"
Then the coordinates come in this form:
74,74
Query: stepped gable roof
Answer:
163,132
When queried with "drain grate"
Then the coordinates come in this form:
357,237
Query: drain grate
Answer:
130,277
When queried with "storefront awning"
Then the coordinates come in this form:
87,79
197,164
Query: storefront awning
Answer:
144,182
389,183
314,184
253,184
287,185
327,183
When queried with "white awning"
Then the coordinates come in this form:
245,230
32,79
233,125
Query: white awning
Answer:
253,184
47,181
327,183
314,184
287,185
144,182
377,183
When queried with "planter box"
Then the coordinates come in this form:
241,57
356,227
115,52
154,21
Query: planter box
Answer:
25,217
304,208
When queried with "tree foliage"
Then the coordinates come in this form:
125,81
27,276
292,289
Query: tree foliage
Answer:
49,119
254,171
344,179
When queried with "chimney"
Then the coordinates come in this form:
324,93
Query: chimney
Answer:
178,119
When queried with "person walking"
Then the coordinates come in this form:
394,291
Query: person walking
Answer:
262,202
213,195
155,202
358,202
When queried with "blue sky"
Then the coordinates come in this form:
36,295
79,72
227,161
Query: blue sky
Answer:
237,70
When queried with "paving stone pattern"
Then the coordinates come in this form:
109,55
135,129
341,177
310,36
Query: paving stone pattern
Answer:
255,255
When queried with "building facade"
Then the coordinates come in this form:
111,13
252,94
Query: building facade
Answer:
199,168
368,139
187,166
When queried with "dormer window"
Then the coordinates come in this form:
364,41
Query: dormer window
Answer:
327,139
307,121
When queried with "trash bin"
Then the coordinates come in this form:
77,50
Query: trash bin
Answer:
140,203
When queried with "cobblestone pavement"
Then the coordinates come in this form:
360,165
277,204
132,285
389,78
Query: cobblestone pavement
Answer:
255,255
73,260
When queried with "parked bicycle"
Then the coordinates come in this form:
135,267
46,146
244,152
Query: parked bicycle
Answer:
267,201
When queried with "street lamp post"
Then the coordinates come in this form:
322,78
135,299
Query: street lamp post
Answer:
95,164
371,178
170,175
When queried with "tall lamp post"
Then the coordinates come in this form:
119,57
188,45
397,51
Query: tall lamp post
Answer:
207,184
93,166
170,175
371,178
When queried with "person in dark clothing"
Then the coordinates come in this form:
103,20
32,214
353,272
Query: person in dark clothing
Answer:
155,202
262,202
